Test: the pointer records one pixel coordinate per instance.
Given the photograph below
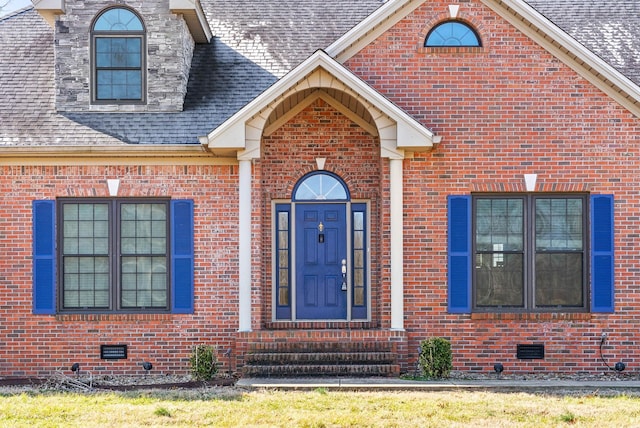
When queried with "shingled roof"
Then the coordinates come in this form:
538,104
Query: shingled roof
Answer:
608,28
254,45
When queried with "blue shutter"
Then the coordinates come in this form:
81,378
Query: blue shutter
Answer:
182,273
44,260
602,253
459,254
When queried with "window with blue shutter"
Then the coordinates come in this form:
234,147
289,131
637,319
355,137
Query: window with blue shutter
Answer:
113,255
530,253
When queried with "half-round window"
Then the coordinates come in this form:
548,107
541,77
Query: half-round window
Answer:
320,186
118,46
452,33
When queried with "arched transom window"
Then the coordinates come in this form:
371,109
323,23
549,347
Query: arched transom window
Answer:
118,56
320,186
452,33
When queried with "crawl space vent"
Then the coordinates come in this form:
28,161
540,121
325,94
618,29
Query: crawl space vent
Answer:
530,352
113,352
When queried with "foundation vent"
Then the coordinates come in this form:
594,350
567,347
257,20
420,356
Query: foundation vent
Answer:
113,352
530,352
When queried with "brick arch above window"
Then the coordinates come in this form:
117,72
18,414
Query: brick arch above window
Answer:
470,21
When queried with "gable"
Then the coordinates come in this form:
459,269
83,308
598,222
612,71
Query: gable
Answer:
530,22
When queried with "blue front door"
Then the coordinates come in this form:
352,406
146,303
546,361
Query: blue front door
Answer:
321,252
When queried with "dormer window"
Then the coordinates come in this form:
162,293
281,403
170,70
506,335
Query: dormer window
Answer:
452,33
118,46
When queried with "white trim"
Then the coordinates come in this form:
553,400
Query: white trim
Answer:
396,243
244,245
234,133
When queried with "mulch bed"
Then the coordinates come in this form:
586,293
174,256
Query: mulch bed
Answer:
96,384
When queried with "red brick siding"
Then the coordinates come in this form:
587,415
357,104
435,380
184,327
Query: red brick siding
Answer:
506,109
36,345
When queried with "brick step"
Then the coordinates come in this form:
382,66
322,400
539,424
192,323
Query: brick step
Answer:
351,370
296,359
302,347
307,358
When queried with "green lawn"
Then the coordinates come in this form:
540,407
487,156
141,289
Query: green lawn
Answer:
318,408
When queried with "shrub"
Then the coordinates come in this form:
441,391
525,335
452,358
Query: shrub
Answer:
204,362
435,358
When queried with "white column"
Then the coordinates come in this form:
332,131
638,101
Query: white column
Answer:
397,244
244,250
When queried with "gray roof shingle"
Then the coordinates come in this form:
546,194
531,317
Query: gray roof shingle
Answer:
254,44
608,28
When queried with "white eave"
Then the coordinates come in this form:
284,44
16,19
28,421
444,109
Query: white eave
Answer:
231,135
195,18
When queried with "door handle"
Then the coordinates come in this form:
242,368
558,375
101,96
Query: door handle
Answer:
344,274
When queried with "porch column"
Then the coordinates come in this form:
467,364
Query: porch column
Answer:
397,244
244,246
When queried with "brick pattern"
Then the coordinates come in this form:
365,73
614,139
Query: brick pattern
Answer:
503,110
169,47
37,345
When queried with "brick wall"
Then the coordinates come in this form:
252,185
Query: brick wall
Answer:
503,110
168,44
36,345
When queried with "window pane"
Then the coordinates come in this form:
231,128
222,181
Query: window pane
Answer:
559,224
499,280
144,282
118,19
559,280
320,187
452,33
86,279
499,225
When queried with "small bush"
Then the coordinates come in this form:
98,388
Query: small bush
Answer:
162,411
435,358
204,362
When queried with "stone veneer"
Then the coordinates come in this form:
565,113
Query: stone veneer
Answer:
169,53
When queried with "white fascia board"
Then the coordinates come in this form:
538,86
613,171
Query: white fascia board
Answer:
365,32
194,17
232,133
572,45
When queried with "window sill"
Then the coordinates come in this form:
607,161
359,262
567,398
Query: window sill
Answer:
537,316
114,317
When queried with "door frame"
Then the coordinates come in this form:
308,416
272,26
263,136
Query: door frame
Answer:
275,204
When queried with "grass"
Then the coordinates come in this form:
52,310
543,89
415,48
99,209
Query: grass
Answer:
319,408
